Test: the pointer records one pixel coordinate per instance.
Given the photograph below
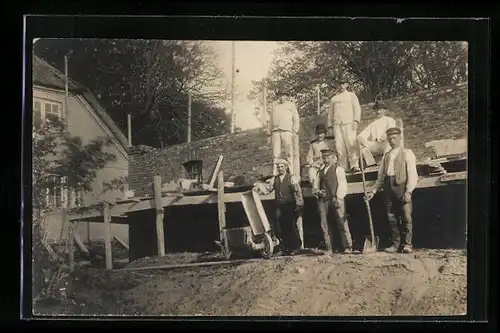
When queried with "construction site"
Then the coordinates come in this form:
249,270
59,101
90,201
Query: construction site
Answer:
189,208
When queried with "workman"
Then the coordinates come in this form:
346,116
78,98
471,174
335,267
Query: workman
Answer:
343,120
289,206
398,177
314,156
284,124
330,188
373,138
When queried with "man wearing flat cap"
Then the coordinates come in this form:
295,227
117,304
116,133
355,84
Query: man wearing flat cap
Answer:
343,120
314,156
283,124
289,206
398,177
330,188
373,138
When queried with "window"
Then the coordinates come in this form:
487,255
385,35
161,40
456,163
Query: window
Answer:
44,109
194,170
56,194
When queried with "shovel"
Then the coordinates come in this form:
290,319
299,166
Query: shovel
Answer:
371,244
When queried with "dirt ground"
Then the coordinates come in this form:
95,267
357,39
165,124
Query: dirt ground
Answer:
427,282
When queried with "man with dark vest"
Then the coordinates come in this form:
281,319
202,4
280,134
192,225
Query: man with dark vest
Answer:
398,177
289,205
330,189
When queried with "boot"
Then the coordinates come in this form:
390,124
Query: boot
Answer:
407,249
392,249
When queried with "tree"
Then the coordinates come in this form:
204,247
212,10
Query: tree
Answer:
376,69
151,80
56,153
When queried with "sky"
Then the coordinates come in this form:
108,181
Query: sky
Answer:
253,60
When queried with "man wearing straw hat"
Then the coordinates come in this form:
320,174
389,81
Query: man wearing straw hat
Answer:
373,138
283,125
289,206
343,121
330,188
398,177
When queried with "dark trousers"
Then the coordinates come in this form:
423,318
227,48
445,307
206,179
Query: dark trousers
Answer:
340,223
399,214
285,226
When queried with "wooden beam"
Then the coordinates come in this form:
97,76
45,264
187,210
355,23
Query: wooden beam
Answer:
71,244
211,198
79,242
221,208
121,242
160,237
216,171
107,236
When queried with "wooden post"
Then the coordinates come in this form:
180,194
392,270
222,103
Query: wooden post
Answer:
159,216
107,237
129,129
71,243
221,208
300,227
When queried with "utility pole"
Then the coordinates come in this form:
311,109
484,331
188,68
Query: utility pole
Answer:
233,76
319,99
189,118
264,102
66,92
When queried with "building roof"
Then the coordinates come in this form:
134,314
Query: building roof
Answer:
48,76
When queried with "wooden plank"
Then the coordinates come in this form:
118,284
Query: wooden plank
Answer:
121,242
211,198
79,242
160,237
107,236
454,176
216,171
221,209
71,245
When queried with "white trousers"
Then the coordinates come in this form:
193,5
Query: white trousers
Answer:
374,148
282,142
346,144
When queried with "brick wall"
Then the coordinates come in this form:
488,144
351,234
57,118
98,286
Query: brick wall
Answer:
430,115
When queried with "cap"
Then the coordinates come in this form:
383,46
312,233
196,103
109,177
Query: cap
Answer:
320,128
282,91
281,161
327,152
343,79
393,130
379,105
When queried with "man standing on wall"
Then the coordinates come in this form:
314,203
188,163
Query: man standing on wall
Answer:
343,120
330,188
398,178
284,124
373,138
289,206
314,156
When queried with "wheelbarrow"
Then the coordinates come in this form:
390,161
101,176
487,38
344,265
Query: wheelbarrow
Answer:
257,236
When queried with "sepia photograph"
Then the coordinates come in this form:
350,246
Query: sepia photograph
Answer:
249,178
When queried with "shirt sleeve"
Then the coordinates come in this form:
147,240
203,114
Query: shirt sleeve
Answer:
297,193
296,119
316,183
411,171
356,107
270,122
342,183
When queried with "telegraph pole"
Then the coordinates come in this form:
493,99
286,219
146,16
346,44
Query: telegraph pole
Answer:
264,101
233,76
66,90
189,118
129,129
319,99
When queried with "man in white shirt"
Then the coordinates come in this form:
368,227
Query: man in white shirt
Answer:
314,156
373,139
398,177
330,188
343,120
284,123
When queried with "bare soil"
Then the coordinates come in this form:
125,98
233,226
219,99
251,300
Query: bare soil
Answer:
427,282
